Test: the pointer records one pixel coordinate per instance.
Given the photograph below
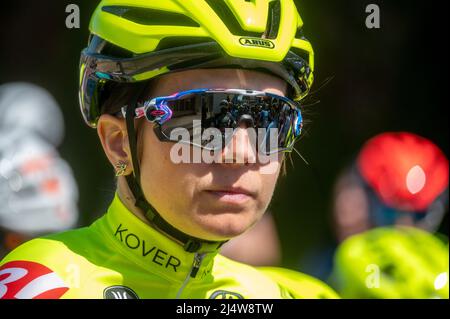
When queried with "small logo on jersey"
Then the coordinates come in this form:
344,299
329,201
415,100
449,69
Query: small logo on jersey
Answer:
223,294
119,292
30,280
256,42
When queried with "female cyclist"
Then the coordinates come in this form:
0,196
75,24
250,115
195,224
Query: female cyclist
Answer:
152,80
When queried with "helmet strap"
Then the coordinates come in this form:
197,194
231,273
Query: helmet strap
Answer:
190,244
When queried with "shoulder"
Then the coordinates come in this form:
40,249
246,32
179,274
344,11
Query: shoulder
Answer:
288,283
299,285
245,277
242,272
42,267
52,249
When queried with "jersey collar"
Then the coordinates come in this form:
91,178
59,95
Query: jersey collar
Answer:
150,249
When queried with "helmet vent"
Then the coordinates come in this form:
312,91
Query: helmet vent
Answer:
299,34
303,54
100,46
173,42
146,16
273,20
228,18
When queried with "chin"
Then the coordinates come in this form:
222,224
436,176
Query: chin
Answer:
225,226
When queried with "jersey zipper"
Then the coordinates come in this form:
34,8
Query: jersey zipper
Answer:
198,258
196,264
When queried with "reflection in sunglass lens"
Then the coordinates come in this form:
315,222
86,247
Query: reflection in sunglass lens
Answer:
225,111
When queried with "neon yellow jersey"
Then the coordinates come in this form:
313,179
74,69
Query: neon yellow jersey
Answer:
121,257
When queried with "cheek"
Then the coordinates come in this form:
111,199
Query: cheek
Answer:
165,184
268,182
269,174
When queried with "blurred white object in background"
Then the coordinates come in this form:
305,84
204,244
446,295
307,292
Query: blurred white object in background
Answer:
38,193
29,107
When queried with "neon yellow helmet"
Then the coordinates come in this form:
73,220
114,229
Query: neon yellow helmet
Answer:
388,262
136,40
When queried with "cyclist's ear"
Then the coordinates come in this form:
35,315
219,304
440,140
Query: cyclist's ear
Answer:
114,138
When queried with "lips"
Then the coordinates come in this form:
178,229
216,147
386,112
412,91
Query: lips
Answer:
232,190
231,195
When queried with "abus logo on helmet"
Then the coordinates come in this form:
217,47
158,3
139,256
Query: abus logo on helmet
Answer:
255,42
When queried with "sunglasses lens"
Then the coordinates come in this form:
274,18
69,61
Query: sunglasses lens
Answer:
276,121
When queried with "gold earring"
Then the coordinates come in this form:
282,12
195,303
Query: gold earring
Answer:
121,168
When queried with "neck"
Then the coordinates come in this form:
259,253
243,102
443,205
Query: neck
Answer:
127,198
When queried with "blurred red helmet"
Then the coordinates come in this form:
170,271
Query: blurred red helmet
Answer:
406,171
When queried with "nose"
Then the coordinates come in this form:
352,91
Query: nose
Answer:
240,149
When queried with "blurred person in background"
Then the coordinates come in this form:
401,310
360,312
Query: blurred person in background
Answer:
387,207
38,193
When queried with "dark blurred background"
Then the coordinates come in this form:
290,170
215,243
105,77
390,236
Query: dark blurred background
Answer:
388,79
